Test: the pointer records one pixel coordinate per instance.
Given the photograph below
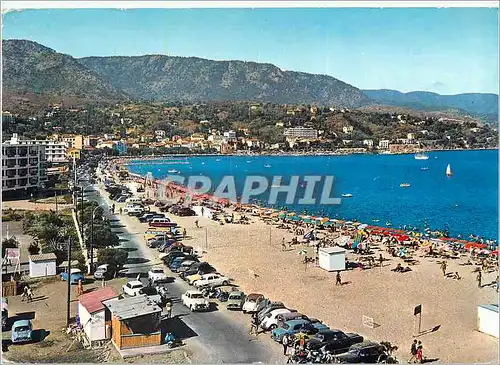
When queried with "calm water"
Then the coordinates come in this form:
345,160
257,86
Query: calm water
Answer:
465,203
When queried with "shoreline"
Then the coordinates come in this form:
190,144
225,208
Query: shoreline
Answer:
286,154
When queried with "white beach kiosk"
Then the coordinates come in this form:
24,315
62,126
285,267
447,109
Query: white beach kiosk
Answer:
332,258
487,319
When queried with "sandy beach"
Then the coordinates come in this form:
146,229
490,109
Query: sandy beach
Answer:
252,255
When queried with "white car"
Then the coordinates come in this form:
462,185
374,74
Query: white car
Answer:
194,300
211,280
254,303
156,274
132,208
270,321
133,288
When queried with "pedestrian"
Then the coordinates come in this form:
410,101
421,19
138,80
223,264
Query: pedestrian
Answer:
419,354
339,279
381,260
253,325
197,223
443,267
168,308
184,233
121,210
79,289
29,293
202,211
283,247
413,352
285,343
24,295
479,278
497,283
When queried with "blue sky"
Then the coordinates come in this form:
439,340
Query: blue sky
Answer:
448,51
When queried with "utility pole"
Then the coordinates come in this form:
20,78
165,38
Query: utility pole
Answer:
57,208
92,244
206,237
68,301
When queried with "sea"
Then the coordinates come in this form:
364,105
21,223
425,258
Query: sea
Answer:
464,204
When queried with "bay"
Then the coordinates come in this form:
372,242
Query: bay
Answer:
466,203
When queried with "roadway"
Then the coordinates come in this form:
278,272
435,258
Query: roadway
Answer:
216,336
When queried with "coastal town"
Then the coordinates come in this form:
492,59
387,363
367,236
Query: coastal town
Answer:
203,184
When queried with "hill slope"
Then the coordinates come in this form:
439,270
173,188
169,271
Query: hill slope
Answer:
29,67
478,104
196,79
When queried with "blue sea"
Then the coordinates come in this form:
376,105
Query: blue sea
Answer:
466,203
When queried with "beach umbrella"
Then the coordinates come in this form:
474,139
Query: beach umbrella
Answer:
363,226
302,252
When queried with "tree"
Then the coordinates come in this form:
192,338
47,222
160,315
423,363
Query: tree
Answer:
115,257
33,249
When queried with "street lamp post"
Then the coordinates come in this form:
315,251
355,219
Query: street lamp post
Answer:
82,222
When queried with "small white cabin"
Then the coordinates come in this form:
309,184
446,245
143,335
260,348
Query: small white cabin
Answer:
332,258
42,265
487,319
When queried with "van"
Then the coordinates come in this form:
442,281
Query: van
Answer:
133,200
162,222
103,272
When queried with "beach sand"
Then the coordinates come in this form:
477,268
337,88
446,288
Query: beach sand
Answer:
252,256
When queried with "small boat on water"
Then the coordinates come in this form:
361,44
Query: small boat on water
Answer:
375,220
217,160
448,171
173,171
267,165
424,168
348,195
404,185
421,156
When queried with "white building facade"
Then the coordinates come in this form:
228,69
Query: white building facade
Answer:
301,132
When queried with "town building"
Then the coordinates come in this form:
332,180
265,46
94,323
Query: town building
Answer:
90,141
301,132
72,140
230,136
42,265
94,317
348,129
383,144
74,153
368,143
135,322
23,167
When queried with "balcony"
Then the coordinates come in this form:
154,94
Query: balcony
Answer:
10,164
10,184
22,151
33,171
33,161
22,162
33,181
33,152
22,172
23,182
10,174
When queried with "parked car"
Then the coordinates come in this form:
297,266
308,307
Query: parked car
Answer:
171,256
235,300
268,308
75,276
133,288
104,272
198,268
186,212
284,317
254,303
162,222
364,352
22,331
194,300
291,327
176,262
184,266
157,274
133,209
334,341
270,321
144,218
212,280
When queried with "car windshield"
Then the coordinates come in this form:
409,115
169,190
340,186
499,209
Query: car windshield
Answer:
22,329
196,296
235,297
158,271
285,326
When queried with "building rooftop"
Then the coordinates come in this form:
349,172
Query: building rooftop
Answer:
92,301
332,250
133,307
43,257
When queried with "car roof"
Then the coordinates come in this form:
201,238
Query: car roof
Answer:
293,322
254,296
21,323
135,282
157,268
280,311
365,344
236,293
194,292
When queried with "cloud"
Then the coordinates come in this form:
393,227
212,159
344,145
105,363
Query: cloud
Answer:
437,84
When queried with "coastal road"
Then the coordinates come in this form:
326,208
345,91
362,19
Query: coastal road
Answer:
216,336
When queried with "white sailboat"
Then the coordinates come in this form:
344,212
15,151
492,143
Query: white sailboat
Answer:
448,171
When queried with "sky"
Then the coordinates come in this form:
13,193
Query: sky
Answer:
447,50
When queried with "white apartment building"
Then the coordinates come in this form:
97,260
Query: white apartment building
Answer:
368,143
54,151
23,166
301,132
230,135
383,144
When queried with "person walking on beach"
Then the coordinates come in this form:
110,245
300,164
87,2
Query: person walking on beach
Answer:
253,325
479,277
202,211
419,353
497,283
413,352
339,279
197,223
121,210
184,233
168,307
381,260
443,267
285,342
